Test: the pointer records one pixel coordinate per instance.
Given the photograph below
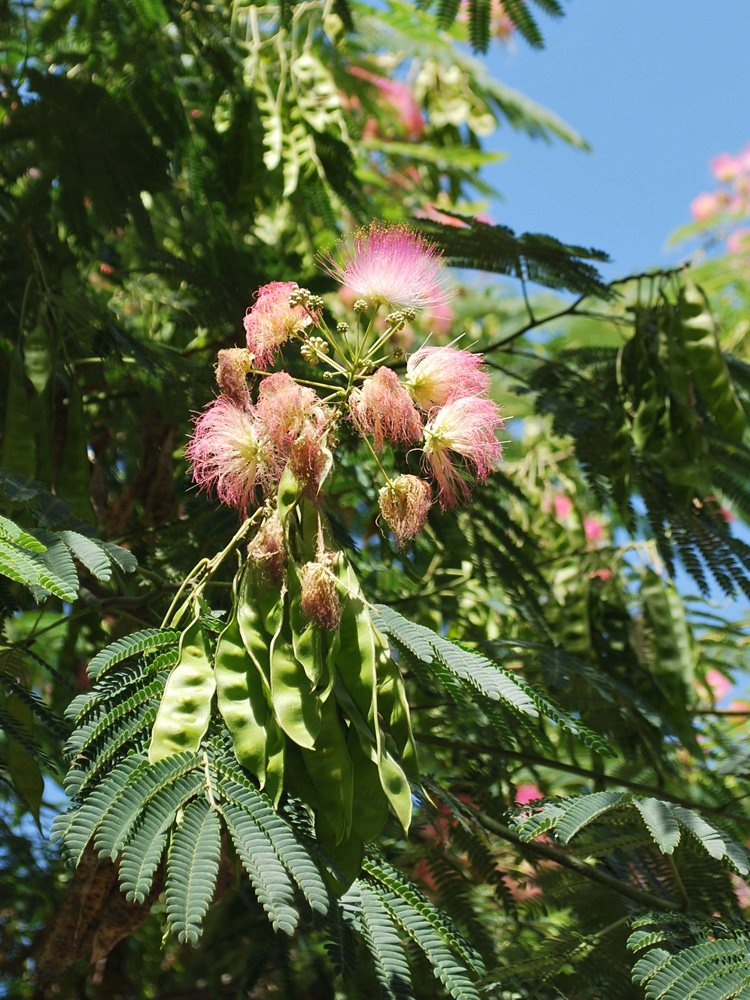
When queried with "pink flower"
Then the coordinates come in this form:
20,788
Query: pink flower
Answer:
405,504
527,793
739,241
383,408
294,422
592,529
408,118
466,427
718,684
271,321
563,506
705,206
225,452
725,167
438,375
391,264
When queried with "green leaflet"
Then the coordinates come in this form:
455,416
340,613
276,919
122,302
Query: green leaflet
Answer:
185,709
707,363
241,701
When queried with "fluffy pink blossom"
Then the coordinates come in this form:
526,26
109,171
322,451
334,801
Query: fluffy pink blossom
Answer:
226,453
293,422
718,684
408,117
592,529
739,240
725,167
438,375
706,205
464,428
563,506
391,264
271,321
527,793
383,408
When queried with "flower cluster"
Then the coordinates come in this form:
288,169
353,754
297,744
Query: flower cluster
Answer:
246,437
729,204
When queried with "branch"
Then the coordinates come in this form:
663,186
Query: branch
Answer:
608,779
580,867
571,310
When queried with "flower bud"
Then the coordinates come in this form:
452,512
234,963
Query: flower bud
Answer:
404,505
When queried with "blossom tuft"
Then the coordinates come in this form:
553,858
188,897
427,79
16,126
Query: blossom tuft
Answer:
320,600
231,373
436,376
466,427
295,423
225,452
405,504
391,264
267,549
383,408
271,321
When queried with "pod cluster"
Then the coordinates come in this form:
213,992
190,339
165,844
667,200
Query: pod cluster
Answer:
315,706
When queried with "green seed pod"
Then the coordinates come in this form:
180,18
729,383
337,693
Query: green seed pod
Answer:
185,709
707,363
331,771
242,703
394,707
297,710
370,803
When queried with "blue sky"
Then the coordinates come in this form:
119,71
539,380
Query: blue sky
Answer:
657,87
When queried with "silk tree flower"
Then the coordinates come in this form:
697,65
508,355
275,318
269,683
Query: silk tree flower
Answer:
320,601
465,429
267,549
271,321
294,422
436,376
405,504
231,373
383,408
391,264
226,453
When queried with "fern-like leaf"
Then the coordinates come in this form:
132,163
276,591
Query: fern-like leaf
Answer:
192,869
267,875
121,649
142,853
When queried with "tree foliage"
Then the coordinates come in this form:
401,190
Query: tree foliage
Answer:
508,766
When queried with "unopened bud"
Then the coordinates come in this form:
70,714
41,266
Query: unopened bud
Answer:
405,505
342,328
360,306
313,349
